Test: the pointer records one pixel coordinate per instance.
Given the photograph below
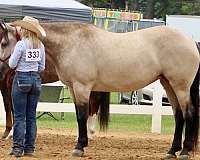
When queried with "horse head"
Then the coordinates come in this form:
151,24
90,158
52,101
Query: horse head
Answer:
8,38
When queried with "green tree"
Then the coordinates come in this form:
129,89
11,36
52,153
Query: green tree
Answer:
150,8
96,3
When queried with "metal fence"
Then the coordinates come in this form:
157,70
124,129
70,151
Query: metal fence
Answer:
120,26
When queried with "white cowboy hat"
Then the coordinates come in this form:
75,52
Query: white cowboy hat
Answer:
31,24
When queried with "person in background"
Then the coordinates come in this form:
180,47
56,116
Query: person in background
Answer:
28,59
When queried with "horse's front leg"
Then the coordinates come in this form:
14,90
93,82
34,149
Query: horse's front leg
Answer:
82,116
8,109
81,95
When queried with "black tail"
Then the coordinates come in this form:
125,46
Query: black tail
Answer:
104,110
99,102
194,93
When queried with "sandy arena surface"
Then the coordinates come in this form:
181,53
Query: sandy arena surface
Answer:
57,144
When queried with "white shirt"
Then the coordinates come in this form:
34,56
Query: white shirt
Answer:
18,59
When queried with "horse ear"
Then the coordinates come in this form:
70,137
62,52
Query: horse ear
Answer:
2,24
15,30
18,29
10,27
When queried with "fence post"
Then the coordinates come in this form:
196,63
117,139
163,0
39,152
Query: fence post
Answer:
157,104
2,113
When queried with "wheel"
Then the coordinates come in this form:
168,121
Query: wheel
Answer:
134,97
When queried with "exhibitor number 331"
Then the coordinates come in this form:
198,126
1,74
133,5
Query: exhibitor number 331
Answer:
33,55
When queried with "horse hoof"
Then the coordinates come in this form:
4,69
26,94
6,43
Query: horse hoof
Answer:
4,136
169,156
183,157
77,153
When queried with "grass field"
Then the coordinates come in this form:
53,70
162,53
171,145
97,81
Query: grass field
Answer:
139,123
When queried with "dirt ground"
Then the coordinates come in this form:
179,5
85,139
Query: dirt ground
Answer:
57,144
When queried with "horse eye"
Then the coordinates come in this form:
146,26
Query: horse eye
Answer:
3,44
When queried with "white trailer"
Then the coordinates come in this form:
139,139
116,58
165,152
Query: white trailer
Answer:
187,23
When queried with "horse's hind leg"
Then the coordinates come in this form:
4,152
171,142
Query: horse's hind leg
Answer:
192,118
187,112
94,103
91,125
177,141
179,120
190,127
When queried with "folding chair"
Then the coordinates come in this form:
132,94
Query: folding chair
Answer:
51,94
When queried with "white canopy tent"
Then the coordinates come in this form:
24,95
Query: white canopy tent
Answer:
186,23
49,10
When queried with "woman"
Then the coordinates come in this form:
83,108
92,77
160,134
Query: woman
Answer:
29,60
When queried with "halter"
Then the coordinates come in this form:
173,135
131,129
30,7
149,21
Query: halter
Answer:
5,34
18,37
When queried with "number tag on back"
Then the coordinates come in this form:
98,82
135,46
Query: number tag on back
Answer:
33,55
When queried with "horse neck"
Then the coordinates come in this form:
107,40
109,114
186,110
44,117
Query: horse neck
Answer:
61,37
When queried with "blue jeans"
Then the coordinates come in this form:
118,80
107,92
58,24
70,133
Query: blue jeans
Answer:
25,94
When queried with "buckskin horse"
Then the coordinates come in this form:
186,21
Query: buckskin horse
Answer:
48,76
89,59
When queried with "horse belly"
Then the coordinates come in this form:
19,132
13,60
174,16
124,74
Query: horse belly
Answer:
126,81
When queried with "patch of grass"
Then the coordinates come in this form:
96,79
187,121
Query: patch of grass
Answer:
48,122
114,98
130,122
168,124
118,122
